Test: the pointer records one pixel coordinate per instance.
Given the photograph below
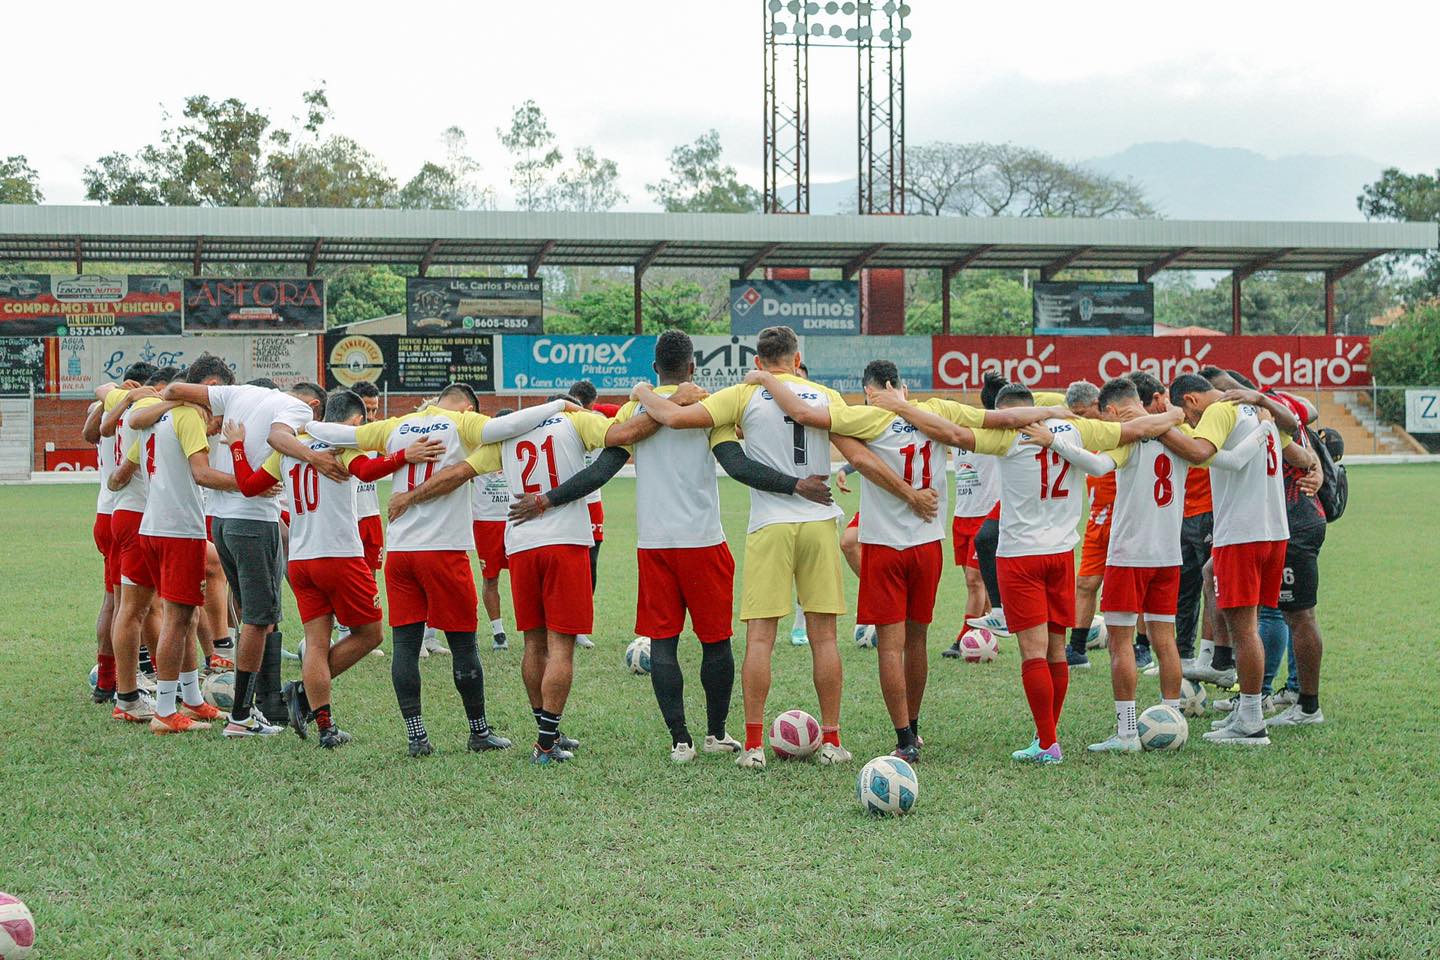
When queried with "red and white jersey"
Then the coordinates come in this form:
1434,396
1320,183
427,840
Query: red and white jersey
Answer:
1149,506
1041,500
490,497
173,506
367,496
1249,503
977,483
777,441
594,495
323,521
885,520
108,454
258,409
676,492
538,462
132,496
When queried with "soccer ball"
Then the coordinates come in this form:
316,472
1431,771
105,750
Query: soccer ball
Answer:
795,735
887,785
1193,698
865,636
94,676
637,655
17,928
1098,635
1162,728
978,645
219,690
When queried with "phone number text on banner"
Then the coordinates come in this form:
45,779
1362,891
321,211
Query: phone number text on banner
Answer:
550,364
43,305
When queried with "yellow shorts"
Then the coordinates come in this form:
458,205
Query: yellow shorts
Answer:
806,555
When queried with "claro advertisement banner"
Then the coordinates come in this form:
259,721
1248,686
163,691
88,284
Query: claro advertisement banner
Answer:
88,305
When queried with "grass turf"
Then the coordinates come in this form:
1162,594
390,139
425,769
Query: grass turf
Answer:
128,844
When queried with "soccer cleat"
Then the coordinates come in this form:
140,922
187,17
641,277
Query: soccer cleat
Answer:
832,753
421,747
569,744
1116,744
102,694
1143,657
293,694
332,737
1152,671
721,744
219,664
288,655
1285,698
1076,659
909,753
1029,752
489,740
1295,717
146,682
203,711
501,642
584,642
952,652
798,637
994,621
176,723
377,652
1033,753
752,759
546,757
682,753
432,645
1206,673
1230,704
134,711
1234,734
254,725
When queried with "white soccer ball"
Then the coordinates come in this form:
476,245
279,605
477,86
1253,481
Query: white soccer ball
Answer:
1162,728
637,655
218,690
795,735
887,785
17,928
94,676
1098,635
978,645
865,636
1193,698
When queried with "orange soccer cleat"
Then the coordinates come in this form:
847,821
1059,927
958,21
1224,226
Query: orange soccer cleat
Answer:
176,722
203,711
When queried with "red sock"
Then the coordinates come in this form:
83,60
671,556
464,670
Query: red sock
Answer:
1040,691
1060,680
830,735
105,678
754,735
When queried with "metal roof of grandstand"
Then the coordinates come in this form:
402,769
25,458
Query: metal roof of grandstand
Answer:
740,242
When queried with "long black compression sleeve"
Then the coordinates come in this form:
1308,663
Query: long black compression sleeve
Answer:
590,479
731,457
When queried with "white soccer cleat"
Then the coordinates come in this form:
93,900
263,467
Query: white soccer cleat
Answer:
136,711
752,759
1295,717
1285,698
1153,670
1116,744
1230,704
682,753
378,652
1235,735
584,642
145,683
722,744
994,621
831,753
254,725
1206,673
431,645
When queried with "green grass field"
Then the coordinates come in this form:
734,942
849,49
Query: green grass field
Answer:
130,845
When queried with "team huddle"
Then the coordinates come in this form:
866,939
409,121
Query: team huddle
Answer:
213,494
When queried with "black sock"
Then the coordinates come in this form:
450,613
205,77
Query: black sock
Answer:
915,729
244,690
1224,658
904,737
146,664
1141,640
717,676
130,697
224,643
548,725
267,680
1309,702
1079,636
469,678
669,684
405,675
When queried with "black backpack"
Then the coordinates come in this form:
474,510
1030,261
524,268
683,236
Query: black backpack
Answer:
1335,492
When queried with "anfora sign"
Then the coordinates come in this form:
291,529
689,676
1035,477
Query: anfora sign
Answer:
255,305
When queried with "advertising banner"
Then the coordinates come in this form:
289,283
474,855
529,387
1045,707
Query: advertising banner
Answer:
90,305
1314,361
839,362
723,361
79,364
1422,410
255,305
72,459
550,364
22,365
411,364
1094,309
809,307
462,305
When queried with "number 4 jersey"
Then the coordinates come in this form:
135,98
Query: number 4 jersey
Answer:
323,521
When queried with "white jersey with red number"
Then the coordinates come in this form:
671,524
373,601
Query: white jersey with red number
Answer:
132,496
174,506
977,483
367,496
323,521
1149,506
107,457
490,498
886,520
1249,502
675,486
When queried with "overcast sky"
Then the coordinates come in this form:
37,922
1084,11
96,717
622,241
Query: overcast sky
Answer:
635,77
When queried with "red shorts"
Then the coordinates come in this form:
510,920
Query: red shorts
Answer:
176,566
372,539
898,585
344,586
1038,591
550,589
676,579
962,534
1093,553
1249,574
1153,591
434,587
597,521
209,533
105,543
854,521
125,531
490,547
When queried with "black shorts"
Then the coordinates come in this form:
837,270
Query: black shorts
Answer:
1301,580
254,562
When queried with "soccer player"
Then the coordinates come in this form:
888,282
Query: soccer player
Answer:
367,497
427,568
584,393
685,566
1083,399
326,565
1040,510
489,508
791,541
977,493
548,557
1250,534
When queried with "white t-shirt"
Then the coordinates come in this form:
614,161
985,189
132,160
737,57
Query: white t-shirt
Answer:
490,498
594,495
538,462
367,496
977,484
1149,506
323,522
1250,502
776,441
108,453
885,520
174,507
676,493
257,409
132,496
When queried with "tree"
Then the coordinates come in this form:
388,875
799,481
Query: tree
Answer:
989,302
1275,302
986,179
1407,354
364,293
532,144
1414,197
610,309
700,183
591,184
452,185
19,183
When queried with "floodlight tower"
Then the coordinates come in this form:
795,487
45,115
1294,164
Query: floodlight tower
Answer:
787,105
880,43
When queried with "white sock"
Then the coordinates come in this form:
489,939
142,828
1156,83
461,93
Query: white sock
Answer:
1250,714
1207,651
799,618
1125,719
429,636
497,626
1171,703
190,688
165,696
998,613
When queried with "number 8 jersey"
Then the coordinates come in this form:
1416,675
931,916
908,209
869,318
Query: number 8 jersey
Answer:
1149,506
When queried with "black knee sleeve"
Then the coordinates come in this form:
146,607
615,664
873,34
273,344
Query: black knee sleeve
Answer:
405,667
469,674
717,676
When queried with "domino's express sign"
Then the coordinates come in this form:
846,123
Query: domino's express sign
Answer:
809,307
